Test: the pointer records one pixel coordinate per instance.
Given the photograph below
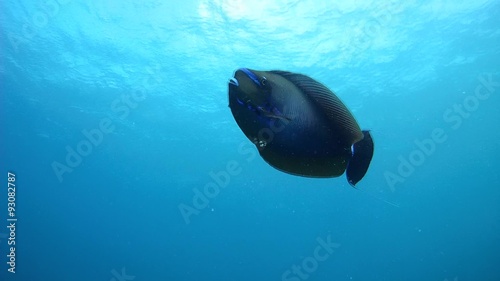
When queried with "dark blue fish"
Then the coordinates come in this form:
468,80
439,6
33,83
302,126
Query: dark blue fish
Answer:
298,125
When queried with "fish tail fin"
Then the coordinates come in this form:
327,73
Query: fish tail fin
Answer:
362,153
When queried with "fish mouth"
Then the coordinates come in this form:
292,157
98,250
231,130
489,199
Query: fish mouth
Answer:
234,81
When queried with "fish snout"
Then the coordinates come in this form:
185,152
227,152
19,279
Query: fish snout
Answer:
234,81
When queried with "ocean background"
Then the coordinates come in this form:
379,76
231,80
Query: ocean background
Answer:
147,81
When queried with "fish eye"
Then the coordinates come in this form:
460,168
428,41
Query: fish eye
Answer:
263,81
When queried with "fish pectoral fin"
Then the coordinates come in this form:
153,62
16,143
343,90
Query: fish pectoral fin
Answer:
279,117
270,114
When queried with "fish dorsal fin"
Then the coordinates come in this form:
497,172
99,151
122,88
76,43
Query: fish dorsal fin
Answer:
336,112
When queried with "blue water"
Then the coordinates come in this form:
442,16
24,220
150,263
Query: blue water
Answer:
114,120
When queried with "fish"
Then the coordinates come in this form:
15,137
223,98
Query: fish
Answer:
298,125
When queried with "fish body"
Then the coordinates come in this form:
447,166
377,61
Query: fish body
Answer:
298,125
